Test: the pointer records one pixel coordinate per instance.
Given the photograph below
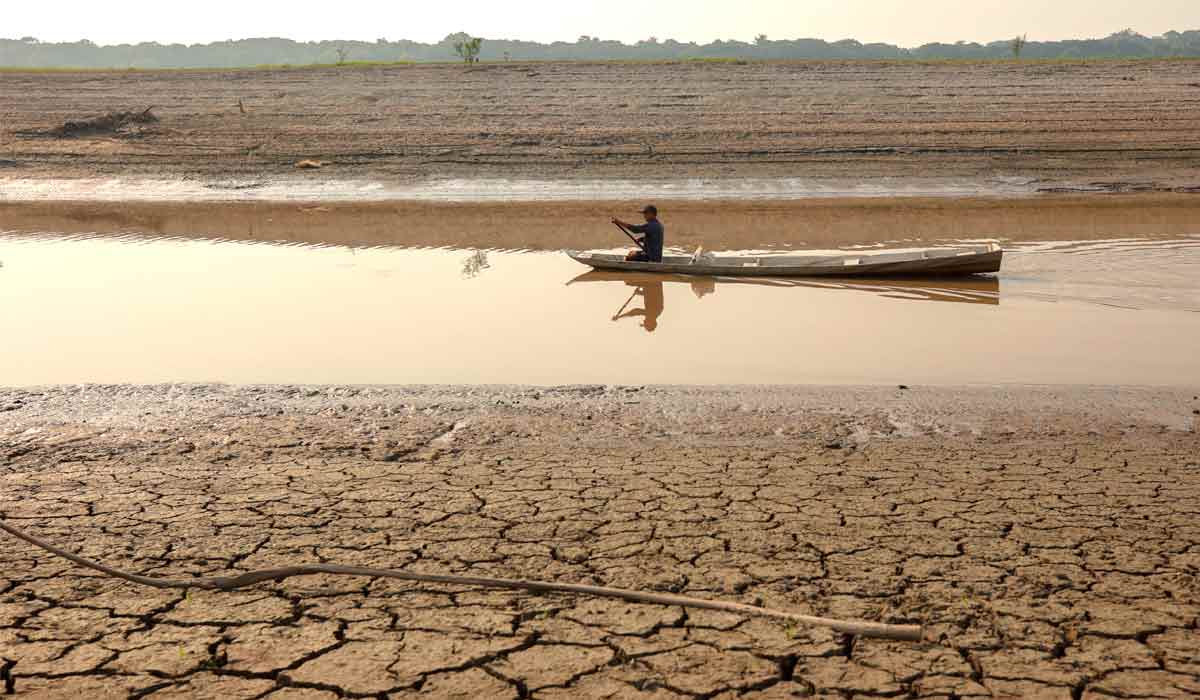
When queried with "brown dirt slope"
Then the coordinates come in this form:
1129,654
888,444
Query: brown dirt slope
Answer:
1047,538
1121,124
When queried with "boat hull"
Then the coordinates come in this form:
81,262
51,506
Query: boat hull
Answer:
940,262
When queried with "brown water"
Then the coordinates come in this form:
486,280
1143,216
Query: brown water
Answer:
80,308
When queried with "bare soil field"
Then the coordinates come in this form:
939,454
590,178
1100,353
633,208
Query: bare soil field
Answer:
1046,539
1107,125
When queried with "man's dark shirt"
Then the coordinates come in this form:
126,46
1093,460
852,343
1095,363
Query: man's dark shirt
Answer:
653,230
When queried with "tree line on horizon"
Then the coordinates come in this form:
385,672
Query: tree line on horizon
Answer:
28,52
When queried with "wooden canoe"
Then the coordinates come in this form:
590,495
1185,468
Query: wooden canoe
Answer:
931,262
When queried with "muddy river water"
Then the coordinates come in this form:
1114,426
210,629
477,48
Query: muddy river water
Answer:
138,308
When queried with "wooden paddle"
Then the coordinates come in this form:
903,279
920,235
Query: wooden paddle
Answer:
627,233
623,306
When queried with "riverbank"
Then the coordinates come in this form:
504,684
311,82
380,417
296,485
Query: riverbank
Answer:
1044,536
531,224
1107,126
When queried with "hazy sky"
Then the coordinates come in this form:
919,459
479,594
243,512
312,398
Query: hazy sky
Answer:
903,22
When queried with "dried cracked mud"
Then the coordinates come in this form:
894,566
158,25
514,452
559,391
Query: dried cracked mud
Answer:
1048,539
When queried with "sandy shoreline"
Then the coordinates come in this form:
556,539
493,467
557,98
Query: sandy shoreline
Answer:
1045,537
953,410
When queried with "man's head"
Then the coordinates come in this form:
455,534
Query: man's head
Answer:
650,212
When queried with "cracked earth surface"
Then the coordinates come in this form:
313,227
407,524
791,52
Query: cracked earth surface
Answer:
1048,539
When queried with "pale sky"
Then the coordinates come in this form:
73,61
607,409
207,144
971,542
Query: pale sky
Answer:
902,22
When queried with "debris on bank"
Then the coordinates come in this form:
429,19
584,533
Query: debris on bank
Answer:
113,123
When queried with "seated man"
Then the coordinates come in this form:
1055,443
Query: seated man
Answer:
652,237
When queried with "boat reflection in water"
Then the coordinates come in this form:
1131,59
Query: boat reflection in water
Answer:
649,288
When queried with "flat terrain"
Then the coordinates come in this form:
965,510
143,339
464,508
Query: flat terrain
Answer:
1046,538
1107,125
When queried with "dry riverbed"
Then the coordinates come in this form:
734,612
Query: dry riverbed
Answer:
1087,126
1045,537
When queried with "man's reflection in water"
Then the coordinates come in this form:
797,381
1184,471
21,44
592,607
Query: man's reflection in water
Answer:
652,301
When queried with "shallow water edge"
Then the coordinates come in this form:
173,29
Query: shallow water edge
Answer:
583,224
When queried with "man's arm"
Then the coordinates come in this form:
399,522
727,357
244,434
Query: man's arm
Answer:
641,241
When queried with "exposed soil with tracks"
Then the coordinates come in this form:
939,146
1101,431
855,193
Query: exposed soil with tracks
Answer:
1109,125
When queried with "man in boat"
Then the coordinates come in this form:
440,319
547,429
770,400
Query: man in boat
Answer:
651,239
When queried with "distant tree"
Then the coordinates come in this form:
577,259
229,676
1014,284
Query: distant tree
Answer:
468,49
760,40
342,53
1017,45
29,53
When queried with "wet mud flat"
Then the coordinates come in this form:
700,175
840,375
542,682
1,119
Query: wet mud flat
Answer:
1045,537
1092,126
